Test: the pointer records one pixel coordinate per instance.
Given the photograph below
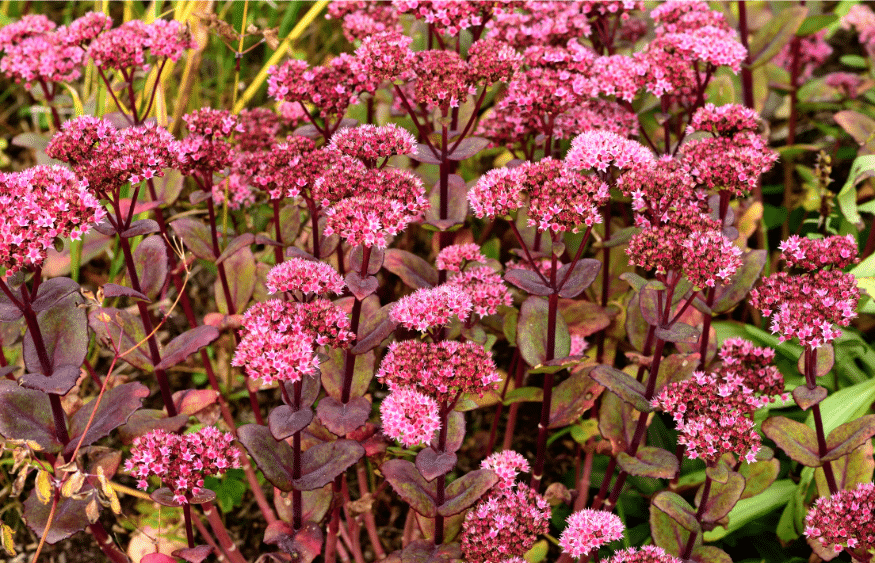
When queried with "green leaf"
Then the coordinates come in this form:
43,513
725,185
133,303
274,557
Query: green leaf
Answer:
623,385
813,24
797,440
524,395
750,509
862,167
772,37
722,498
849,436
759,476
532,332
650,461
677,509
854,61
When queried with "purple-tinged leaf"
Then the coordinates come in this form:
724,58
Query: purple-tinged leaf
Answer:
341,419
290,222
116,406
64,330
145,420
710,554
678,332
465,491
722,498
582,276
636,326
29,140
675,367
168,187
667,533
115,290
848,471
9,313
196,236
303,546
425,155
68,519
739,285
195,554
758,476
51,291
528,281
62,380
424,551
620,237
310,388
274,457
359,287
371,337
187,344
240,269
455,432
431,464
332,373
826,359
649,461
572,398
616,421
157,558
284,421
532,332
807,398
192,401
27,415
105,228
677,509
125,331
199,196
849,436
375,259
778,31
649,300
315,504
468,147
583,317
410,486
796,439
323,462
413,270
141,227
308,131
150,258
241,241
633,279
622,385
859,126
524,395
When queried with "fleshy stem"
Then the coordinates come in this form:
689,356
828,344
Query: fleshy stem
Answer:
709,298
700,512
441,484
606,282
277,250
294,401
810,363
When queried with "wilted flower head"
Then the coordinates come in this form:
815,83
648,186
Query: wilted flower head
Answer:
409,417
814,254
440,370
182,461
370,143
844,520
646,554
587,530
38,205
427,308
454,257
310,277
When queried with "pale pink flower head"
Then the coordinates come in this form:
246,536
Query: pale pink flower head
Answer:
621,76
386,56
309,277
540,23
645,554
369,143
813,52
441,370
725,120
676,16
427,308
409,417
709,257
363,19
847,84
38,205
506,464
813,254
491,60
454,257
28,26
182,462
844,520
240,192
497,193
125,47
83,30
861,17
43,58
505,525
732,164
485,287
587,530
601,150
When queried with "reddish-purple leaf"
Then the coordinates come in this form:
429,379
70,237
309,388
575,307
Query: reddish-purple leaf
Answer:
849,436
826,359
467,490
583,317
425,155
678,332
115,290
410,486
332,373
157,558
360,287
116,406
372,336
145,420
141,227
582,276
323,462
125,331
710,554
64,329
649,461
341,419
303,545
62,380
455,432
68,519
284,421
164,496
195,554
622,385
413,270
468,147
796,439
615,421
431,464
150,258
807,398
532,332
196,236
739,285
572,398
240,241
274,457
192,401
105,228
528,281
240,269
51,291
199,196
722,498
424,551
310,388
375,259
187,344
27,415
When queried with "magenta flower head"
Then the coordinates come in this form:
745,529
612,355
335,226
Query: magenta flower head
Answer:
562,199
587,530
370,143
258,129
733,163
37,206
441,370
600,150
686,15
454,257
362,19
845,520
751,366
815,254
620,76
385,56
491,60
210,122
442,79
309,277
497,193
708,257
182,462
725,121
507,465
332,87
409,417
84,29
428,308
485,287
646,554
125,46
448,17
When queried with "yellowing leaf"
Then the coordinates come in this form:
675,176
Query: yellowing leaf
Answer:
44,486
6,537
747,223
538,552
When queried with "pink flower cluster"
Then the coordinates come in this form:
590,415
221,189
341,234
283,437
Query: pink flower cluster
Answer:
600,150
708,257
257,130
656,187
369,143
490,60
847,84
454,257
861,17
37,206
440,370
362,19
182,461
386,56
447,17
813,52
428,308
712,416
442,79
409,417
660,247
750,366
125,46
587,530
845,520
309,277
332,87
279,338
506,524
646,554
729,163
485,287
724,121
813,254
542,23
206,150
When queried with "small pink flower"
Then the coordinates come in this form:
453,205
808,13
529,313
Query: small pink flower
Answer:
409,417
387,55
600,150
485,287
454,257
587,530
709,257
370,143
506,464
646,554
